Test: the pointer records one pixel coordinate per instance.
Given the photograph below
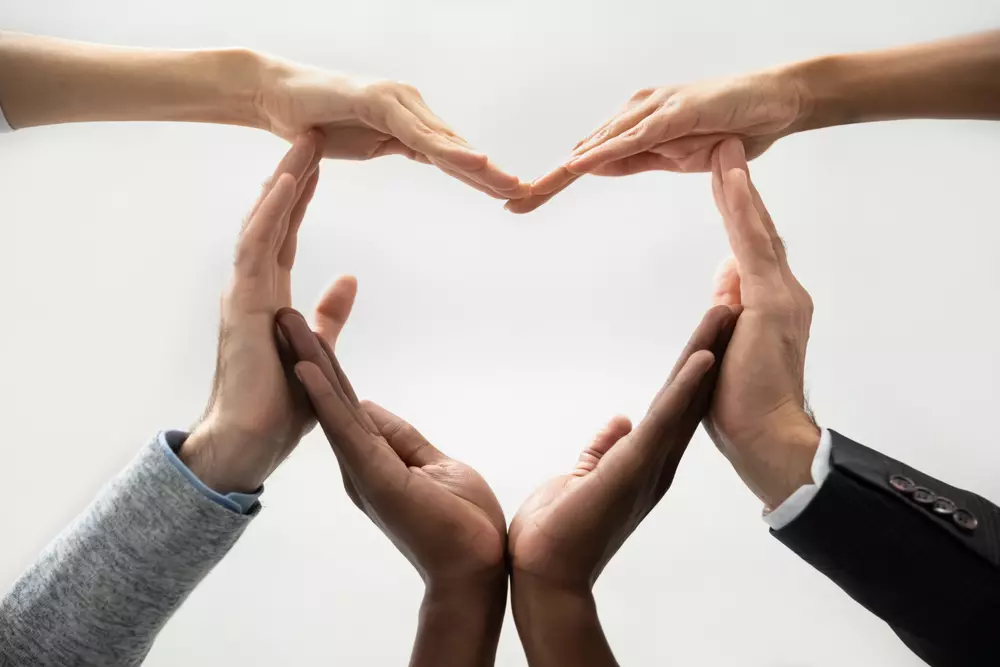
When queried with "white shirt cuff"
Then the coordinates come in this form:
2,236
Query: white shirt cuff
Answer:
4,125
796,503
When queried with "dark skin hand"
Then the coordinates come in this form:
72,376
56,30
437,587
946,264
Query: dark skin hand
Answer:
566,532
437,511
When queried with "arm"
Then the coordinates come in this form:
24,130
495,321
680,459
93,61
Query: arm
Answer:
460,627
870,504
677,127
44,80
559,626
857,516
103,589
952,78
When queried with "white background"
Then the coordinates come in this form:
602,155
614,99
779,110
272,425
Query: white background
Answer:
507,340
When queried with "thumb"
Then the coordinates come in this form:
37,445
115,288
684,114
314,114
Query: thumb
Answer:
726,291
616,429
334,308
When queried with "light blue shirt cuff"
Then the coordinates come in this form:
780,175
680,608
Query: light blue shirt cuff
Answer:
796,503
4,125
241,503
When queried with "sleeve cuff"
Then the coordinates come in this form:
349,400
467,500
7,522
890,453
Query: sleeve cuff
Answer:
796,503
4,125
241,503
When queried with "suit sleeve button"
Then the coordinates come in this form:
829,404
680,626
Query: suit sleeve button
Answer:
944,506
965,520
902,484
924,496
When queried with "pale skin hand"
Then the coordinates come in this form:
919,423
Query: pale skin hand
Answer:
675,128
253,421
758,417
46,81
363,120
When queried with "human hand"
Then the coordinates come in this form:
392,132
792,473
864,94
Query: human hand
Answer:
676,128
568,530
253,421
439,512
758,418
363,120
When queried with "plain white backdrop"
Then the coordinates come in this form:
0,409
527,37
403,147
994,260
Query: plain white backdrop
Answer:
507,340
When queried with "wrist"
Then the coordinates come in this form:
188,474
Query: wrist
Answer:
223,461
558,625
795,441
460,624
822,82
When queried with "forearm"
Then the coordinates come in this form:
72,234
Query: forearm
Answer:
953,78
103,589
44,81
460,626
559,627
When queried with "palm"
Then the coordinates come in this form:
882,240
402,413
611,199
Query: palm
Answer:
469,528
546,527
443,516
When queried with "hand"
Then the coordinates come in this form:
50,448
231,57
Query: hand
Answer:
437,511
570,528
363,120
676,128
758,417
566,532
253,421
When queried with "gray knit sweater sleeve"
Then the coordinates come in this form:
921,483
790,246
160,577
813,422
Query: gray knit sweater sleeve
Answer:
104,588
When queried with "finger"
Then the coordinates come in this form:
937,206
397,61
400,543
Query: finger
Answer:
257,246
472,183
748,238
623,122
636,164
413,132
667,412
557,179
334,308
419,108
393,146
712,322
307,347
616,429
667,123
356,447
704,337
531,202
411,447
663,432
286,255
733,156
295,162
425,133
697,408
726,285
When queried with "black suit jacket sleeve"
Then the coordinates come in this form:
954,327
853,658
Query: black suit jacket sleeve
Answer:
933,580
